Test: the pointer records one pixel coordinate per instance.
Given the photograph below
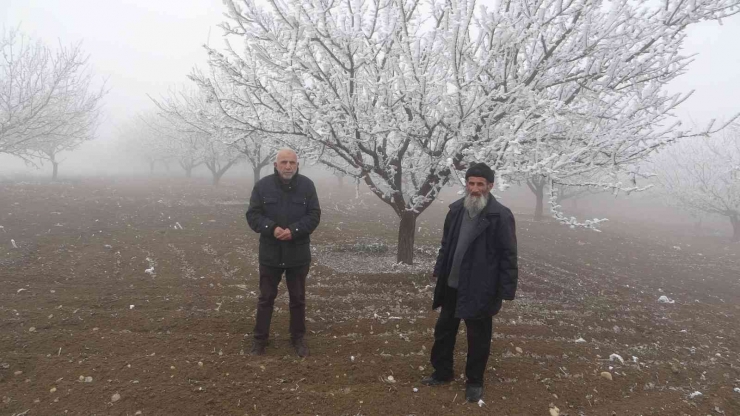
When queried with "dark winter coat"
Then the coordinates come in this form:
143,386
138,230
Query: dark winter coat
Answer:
489,270
294,205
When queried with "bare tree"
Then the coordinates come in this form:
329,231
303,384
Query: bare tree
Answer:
220,158
47,103
703,176
257,153
180,142
141,138
192,115
540,185
400,93
537,184
258,147
83,109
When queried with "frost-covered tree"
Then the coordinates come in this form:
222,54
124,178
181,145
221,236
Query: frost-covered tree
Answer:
258,152
258,147
48,103
142,138
537,184
703,176
83,110
399,93
176,141
192,115
540,185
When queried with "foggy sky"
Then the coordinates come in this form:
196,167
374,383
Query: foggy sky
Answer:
147,46
138,47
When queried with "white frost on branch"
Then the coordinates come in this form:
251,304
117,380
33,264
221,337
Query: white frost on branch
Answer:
404,95
702,176
48,103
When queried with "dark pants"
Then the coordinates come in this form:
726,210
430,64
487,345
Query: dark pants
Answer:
445,332
295,279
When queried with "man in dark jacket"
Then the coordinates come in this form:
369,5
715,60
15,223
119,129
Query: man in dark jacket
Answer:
476,268
284,210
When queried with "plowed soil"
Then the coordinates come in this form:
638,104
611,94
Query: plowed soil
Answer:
128,297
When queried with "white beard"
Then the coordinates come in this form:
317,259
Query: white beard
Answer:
475,204
287,176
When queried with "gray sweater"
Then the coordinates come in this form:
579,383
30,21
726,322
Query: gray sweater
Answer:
467,229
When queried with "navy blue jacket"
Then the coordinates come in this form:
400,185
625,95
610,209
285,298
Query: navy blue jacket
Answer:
489,270
294,205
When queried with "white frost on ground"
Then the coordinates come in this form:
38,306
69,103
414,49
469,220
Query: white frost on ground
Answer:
695,394
150,270
370,263
665,299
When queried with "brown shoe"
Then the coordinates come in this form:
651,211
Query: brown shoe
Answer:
300,347
258,347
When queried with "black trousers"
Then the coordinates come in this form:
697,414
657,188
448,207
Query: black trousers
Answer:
295,279
445,333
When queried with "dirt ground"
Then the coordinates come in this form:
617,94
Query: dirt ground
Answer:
86,330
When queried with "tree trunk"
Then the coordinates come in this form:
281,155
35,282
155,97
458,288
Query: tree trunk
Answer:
537,186
735,220
540,194
55,171
189,172
406,233
217,178
151,168
697,227
256,172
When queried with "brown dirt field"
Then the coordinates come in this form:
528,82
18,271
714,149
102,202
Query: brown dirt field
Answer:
76,302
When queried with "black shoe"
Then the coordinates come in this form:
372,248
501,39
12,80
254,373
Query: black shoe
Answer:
301,349
258,347
431,381
473,393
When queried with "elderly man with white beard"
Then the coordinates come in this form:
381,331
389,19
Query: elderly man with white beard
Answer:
476,269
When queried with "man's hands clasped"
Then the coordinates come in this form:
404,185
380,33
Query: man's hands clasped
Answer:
283,234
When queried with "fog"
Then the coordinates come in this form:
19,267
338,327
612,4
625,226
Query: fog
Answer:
141,49
132,288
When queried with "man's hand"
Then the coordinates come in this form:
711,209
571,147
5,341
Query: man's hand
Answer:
278,232
283,234
287,235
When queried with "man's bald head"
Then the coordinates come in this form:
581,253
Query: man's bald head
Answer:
286,163
286,152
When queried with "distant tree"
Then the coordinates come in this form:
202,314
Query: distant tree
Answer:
258,147
400,93
192,115
179,142
47,100
537,184
703,176
258,153
79,127
555,193
140,138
